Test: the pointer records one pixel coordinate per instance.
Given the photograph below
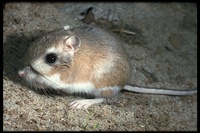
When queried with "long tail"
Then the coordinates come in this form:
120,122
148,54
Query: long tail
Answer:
138,89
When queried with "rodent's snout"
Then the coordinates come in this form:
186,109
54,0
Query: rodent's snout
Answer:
23,72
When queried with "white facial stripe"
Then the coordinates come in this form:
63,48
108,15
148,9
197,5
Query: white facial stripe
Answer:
55,82
54,50
51,50
40,66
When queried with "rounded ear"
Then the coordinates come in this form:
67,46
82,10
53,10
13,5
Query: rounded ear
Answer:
71,44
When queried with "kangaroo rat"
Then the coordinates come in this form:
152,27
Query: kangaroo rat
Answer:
83,59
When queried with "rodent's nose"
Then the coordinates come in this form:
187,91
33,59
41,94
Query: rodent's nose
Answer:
21,73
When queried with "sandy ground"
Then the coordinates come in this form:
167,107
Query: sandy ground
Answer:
163,53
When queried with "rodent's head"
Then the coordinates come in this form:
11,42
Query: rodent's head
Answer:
46,55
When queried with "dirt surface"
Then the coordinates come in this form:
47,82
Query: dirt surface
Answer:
161,40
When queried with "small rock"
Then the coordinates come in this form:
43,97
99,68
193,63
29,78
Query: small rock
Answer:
24,116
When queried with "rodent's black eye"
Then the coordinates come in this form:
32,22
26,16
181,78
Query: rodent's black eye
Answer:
51,58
